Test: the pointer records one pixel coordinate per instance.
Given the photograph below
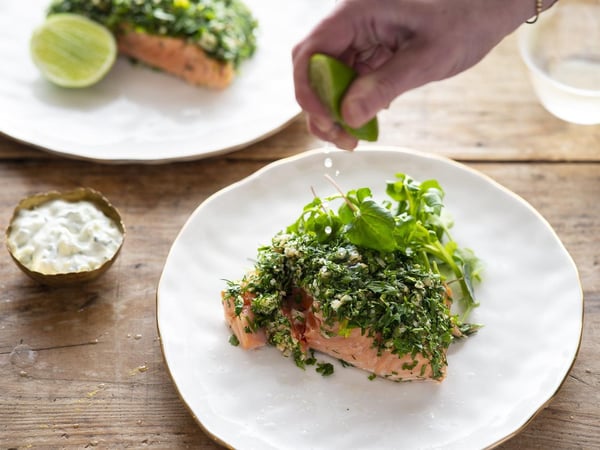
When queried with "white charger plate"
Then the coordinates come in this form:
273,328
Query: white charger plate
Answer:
137,114
531,307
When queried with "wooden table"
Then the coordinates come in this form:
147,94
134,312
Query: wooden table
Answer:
82,367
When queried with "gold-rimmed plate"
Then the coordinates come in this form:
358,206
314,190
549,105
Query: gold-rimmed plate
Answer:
531,308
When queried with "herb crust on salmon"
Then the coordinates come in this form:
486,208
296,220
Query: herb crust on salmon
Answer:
371,284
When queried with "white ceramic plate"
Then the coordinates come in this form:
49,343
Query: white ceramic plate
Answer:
531,308
140,115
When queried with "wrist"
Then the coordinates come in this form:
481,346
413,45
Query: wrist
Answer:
518,12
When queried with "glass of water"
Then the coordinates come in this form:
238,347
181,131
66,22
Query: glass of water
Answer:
562,52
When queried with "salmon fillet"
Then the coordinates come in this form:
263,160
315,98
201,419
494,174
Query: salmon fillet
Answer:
177,57
200,41
368,285
310,330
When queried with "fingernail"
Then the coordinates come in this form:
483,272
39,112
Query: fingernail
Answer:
346,145
343,140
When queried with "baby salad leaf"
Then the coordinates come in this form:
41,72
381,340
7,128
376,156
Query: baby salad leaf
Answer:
370,225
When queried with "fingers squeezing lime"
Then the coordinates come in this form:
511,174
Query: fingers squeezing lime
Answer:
73,51
330,79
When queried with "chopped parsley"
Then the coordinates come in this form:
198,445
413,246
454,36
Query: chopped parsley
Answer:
233,340
224,29
324,369
383,268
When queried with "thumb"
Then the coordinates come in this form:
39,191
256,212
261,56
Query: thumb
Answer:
371,92
365,97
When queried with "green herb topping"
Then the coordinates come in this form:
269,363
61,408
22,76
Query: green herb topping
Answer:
224,29
384,268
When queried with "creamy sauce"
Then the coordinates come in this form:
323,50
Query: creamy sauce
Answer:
61,237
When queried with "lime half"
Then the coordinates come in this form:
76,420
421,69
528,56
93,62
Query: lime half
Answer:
73,51
330,79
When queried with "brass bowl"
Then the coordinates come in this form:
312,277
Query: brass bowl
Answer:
79,194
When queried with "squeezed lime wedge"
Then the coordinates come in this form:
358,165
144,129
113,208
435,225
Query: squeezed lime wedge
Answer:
73,51
330,79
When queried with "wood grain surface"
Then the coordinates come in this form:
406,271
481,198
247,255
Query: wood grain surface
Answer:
81,367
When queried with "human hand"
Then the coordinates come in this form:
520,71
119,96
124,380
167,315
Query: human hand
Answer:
395,46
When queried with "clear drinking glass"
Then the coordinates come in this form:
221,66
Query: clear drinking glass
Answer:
562,53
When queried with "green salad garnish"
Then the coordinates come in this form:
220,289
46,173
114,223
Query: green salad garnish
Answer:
410,222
